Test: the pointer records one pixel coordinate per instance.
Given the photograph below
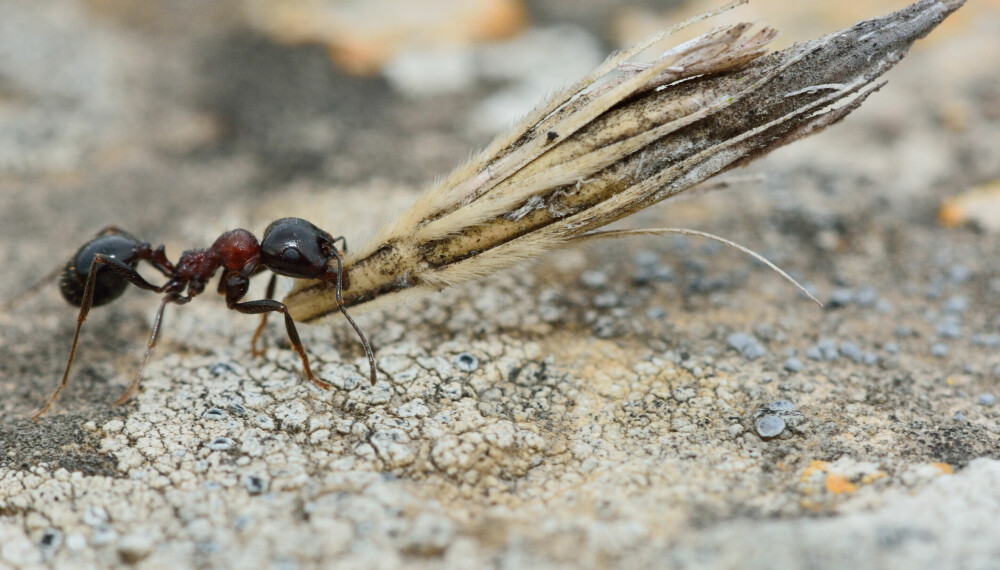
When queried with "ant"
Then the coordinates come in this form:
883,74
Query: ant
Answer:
101,270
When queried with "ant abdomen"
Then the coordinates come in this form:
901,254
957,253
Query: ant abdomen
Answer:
109,285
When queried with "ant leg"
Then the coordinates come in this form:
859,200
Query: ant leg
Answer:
340,304
270,305
153,337
158,259
263,319
87,302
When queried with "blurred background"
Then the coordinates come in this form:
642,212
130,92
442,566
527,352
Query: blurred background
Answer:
168,117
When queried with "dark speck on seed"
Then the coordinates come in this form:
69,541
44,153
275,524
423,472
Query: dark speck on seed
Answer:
770,426
214,414
467,362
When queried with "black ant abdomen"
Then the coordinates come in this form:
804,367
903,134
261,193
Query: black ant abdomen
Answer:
109,285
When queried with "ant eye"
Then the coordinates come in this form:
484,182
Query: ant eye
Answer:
295,248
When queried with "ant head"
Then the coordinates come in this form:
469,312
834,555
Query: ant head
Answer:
109,286
296,248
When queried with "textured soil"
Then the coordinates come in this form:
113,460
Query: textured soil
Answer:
655,402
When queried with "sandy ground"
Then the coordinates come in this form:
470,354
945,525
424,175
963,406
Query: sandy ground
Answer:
644,403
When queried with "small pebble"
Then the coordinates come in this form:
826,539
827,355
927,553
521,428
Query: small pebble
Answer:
781,406
825,349
959,417
220,368
770,426
933,292
466,362
95,516
988,340
939,350
593,279
607,300
76,542
949,328
851,351
956,304
892,348
214,414
655,313
135,547
646,257
958,273
221,444
747,345
237,409
793,364
866,297
841,298
986,399
50,543
255,485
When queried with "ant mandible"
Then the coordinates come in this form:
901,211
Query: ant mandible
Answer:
102,269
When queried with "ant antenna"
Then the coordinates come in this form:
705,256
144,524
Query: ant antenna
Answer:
340,305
